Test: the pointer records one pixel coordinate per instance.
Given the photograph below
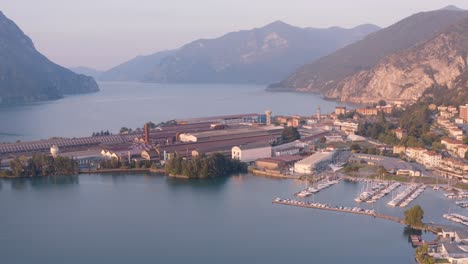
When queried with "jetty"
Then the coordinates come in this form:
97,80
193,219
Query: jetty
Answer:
462,204
457,218
377,192
310,190
351,210
459,195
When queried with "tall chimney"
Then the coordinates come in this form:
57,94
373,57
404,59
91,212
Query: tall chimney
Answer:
147,134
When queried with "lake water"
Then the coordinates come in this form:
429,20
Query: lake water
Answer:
154,219
132,104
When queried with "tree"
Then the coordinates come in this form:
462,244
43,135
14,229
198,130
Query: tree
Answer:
465,140
382,103
466,155
124,130
355,147
290,134
414,216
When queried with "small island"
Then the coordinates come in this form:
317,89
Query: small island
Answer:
215,165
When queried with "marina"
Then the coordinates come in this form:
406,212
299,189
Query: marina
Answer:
457,218
459,195
311,190
462,204
377,192
352,210
407,196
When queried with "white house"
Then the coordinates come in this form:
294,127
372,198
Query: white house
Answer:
251,152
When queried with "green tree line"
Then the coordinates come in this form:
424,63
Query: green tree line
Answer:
42,165
415,119
215,165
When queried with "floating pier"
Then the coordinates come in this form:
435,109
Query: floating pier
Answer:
407,196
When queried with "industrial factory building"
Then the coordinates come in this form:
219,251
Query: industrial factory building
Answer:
231,134
313,162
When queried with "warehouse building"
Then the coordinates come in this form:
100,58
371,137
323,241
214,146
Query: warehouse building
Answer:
314,162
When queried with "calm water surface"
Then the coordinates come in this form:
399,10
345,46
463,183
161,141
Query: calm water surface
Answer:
132,104
153,219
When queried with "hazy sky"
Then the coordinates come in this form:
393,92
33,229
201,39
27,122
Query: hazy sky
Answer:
104,33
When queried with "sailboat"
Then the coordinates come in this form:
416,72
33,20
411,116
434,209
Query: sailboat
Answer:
435,188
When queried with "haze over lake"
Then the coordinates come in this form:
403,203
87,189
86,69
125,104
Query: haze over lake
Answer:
132,104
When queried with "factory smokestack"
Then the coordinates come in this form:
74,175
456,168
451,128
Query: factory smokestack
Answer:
147,134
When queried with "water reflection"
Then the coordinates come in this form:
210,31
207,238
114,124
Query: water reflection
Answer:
197,184
41,182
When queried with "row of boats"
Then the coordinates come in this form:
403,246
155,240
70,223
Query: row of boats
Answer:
459,195
457,218
407,196
462,204
358,180
376,192
325,206
315,189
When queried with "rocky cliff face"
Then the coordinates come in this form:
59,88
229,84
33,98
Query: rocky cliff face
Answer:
26,75
396,63
439,62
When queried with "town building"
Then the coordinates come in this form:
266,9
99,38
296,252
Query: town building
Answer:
398,149
350,127
400,133
461,150
367,111
453,245
430,159
277,163
456,132
414,152
340,110
386,109
457,166
451,144
251,152
464,112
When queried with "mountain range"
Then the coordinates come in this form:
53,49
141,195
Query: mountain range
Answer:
423,54
27,76
261,55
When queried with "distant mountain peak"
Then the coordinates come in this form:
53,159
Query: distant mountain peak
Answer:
277,25
452,8
29,76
